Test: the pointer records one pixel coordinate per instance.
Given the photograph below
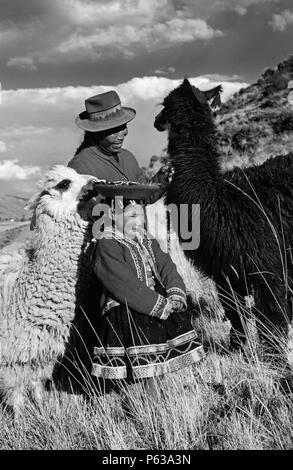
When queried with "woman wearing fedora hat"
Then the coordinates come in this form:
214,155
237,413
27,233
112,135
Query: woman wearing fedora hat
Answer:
101,154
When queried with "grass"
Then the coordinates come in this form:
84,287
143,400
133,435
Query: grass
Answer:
228,401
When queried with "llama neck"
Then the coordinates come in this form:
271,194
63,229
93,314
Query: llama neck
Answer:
193,152
48,284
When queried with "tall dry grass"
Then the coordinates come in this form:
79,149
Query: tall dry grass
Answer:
227,402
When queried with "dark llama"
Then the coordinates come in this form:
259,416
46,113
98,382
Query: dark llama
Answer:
246,230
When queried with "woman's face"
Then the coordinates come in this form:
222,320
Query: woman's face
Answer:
112,140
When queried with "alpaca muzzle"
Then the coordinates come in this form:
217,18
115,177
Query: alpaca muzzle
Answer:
88,191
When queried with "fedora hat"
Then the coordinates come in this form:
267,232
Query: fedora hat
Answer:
129,190
104,111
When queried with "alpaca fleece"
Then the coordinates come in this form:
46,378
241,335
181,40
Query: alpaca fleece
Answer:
42,315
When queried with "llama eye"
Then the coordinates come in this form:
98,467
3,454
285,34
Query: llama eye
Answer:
63,185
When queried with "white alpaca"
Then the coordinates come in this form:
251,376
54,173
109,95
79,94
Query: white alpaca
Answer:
41,289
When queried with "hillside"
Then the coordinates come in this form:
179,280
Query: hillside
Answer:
12,207
257,122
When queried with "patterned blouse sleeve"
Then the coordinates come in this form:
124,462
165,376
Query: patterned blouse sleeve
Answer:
172,280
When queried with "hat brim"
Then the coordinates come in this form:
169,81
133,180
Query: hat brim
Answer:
128,190
102,125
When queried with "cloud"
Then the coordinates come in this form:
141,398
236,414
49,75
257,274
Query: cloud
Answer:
18,11
77,30
240,10
20,131
164,71
205,8
224,78
10,170
280,21
42,34
107,12
129,38
46,104
50,105
3,147
155,88
22,63
208,10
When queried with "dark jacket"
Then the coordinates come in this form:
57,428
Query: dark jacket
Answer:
92,161
120,266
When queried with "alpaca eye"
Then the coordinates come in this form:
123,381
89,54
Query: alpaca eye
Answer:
63,185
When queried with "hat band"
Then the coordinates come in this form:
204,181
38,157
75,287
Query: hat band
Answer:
116,111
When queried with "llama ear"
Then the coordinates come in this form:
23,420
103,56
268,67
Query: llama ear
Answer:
199,95
186,82
215,94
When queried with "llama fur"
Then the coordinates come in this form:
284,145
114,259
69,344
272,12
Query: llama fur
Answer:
246,215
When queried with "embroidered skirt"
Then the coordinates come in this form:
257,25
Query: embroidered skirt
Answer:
133,346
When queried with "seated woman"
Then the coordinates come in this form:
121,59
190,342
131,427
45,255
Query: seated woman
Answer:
145,330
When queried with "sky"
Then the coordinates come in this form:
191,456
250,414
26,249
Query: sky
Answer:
56,53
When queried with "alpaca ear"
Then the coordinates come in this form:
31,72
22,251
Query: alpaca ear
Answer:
32,204
215,94
34,201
